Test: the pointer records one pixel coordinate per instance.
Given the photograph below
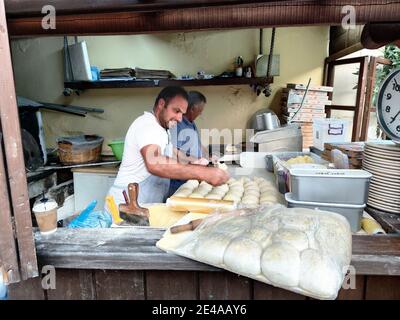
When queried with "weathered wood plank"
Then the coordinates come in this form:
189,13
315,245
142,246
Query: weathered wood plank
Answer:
134,249
30,289
382,288
358,293
73,285
8,252
263,291
224,286
14,156
171,285
119,285
376,264
377,244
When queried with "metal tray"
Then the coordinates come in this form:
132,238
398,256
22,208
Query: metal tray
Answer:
353,213
345,186
276,163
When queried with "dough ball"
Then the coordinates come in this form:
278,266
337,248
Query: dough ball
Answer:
243,256
299,221
250,199
254,193
210,247
267,184
231,180
231,197
193,183
268,198
260,235
280,263
268,189
334,241
196,195
319,275
213,196
232,226
295,238
183,192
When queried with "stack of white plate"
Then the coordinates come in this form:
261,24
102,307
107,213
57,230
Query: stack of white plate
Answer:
382,159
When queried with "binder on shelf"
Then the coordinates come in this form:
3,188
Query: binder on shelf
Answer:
79,60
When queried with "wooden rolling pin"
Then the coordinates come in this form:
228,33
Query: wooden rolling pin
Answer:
186,227
199,205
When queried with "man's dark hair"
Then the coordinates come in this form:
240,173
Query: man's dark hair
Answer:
168,93
195,98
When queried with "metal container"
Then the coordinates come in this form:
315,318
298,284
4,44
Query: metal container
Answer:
353,213
276,163
345,186
271,120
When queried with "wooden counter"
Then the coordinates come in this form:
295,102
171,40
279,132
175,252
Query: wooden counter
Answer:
111,263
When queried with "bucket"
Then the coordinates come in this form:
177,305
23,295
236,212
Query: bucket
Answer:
117,148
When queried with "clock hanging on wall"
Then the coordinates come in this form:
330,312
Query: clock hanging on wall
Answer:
388,106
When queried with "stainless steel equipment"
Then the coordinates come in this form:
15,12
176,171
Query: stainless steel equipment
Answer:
285,138
345,186
265,120
353,213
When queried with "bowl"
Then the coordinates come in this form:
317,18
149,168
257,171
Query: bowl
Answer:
117,147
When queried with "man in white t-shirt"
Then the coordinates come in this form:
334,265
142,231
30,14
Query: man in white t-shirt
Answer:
149,158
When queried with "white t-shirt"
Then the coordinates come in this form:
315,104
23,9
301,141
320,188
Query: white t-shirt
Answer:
143,131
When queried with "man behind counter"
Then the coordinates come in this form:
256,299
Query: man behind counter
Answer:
185,135
149,157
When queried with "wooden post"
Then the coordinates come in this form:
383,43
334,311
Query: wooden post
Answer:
14,157
8,253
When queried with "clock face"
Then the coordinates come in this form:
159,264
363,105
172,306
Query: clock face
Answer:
388,107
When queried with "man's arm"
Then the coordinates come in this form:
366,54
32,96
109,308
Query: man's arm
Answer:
166,167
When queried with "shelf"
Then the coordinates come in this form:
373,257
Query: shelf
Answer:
83,85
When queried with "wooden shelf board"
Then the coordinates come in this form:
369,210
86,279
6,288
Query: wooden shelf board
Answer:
82,85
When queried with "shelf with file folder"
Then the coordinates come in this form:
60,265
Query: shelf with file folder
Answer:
217,81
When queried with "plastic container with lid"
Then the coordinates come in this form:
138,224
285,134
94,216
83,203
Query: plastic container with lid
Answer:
346,186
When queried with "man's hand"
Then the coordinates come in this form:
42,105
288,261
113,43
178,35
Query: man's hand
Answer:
217,176
201,161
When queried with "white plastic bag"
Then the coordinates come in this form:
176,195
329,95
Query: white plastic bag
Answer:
302,250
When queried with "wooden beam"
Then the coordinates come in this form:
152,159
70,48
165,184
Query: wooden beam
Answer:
360,99
134,249
14,156
376,35
277,13
18,8
8,252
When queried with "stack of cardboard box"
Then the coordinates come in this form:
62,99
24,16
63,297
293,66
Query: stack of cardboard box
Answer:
313,107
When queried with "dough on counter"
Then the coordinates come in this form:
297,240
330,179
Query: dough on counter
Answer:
280,263
183,193
231,197
250,199
196,195
243,255
260,235
319,275
213,196
295,238
254,193
231,180
210,247
192,183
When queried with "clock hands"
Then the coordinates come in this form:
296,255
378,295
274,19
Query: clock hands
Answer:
394,118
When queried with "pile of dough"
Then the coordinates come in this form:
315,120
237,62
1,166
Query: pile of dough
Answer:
302,250
245,191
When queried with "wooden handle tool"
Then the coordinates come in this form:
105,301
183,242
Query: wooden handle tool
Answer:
186,227
131,211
